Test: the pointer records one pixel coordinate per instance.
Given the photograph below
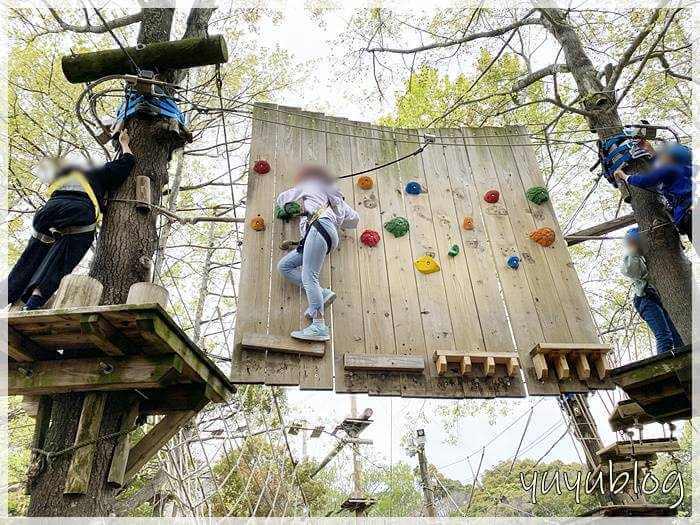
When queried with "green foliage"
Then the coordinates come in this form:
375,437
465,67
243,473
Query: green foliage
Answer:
679,462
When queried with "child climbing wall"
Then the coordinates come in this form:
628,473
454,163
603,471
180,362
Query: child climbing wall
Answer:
323,212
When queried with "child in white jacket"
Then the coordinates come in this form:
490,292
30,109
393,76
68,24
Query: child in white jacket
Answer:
324,213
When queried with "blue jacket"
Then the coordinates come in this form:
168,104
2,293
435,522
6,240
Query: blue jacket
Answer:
674,181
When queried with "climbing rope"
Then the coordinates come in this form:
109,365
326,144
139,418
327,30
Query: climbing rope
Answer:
429,139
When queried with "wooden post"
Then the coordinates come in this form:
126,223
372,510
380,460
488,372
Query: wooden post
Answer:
77,290
41,426
425,482
161,56
143,194
121,452
147,293
88,429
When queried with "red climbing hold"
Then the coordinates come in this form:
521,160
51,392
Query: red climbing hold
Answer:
370,238
492,196
261,167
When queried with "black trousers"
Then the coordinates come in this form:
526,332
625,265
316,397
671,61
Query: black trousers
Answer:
43,265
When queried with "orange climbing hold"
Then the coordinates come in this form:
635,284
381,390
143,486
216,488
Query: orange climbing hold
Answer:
468,223
365,182
543,236
257,223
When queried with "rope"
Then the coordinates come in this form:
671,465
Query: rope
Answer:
390,163
109,29
50,455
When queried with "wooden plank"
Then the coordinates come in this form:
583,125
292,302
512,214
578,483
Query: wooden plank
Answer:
520,303
117,467
156,438
86,374
103,335
348,323
561,366
600,229
284,344
637,448
373,280
386,363
548,306
480,264
80,468
583,368
432,297
173,398
24,350
566,281
251,316
284,370
41,427
314,373
571,348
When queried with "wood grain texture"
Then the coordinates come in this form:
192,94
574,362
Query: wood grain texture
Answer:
284,344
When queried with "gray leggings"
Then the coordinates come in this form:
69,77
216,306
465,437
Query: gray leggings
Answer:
304,269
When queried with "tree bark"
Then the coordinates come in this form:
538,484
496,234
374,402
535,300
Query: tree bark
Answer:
669,269
123,256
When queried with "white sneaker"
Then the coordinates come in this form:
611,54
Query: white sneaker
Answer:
313,332
328,298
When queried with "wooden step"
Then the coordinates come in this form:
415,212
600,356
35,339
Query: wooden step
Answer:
383,363
283,344
639,448
565,356
488,360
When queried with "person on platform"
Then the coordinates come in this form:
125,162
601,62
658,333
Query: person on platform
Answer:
323,213
672,177
647,301
64,227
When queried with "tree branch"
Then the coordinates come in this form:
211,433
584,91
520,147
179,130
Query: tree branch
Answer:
102,28
533,77
627,55
467,38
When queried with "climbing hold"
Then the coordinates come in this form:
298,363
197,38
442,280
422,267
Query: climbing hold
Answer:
290,210
537,194
398,226
513,262
365,182
492,196
413,188
543,236
257,223
468,223
261,167
453,251
426,264
370,238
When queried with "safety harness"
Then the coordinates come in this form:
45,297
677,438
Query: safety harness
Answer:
312,222
617,151
73,180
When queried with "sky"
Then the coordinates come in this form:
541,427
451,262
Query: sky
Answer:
322,90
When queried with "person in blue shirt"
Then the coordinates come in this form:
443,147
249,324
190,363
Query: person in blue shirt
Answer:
671,176
646,300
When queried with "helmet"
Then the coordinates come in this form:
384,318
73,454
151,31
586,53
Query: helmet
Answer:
679,153
632,235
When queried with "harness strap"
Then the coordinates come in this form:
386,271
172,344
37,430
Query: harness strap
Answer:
79,178
313,223
46,239
74,230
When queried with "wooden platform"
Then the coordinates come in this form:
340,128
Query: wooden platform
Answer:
385,309
354,504
105,348
660,385
624,511
646,447
563,357
628,414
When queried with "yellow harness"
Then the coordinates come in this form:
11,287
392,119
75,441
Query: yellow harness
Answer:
80,179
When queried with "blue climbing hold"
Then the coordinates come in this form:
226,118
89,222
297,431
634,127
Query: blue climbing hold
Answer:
414,188
513,262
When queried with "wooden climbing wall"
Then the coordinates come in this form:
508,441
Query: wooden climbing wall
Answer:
397,331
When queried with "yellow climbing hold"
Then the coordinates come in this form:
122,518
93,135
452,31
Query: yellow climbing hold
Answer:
426,264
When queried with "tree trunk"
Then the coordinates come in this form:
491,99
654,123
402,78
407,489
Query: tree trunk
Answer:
123,256
669,269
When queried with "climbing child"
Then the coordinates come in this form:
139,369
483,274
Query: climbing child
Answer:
672,176
64,227
647,301
323,212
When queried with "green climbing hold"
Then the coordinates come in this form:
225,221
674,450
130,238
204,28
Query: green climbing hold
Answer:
290,210
398,226
453,251
537,194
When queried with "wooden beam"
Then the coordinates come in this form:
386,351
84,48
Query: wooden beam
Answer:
160,56
561,366
156,438
540,364
41,427
78,476
281,343
383,363
583,369
465,366
600,229
440,364
120,457
94,373
22,349
174,398
570,348
103,335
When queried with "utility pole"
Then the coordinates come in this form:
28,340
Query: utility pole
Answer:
428,494
360,512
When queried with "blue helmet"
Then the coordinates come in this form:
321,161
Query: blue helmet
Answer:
679,153
632,234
